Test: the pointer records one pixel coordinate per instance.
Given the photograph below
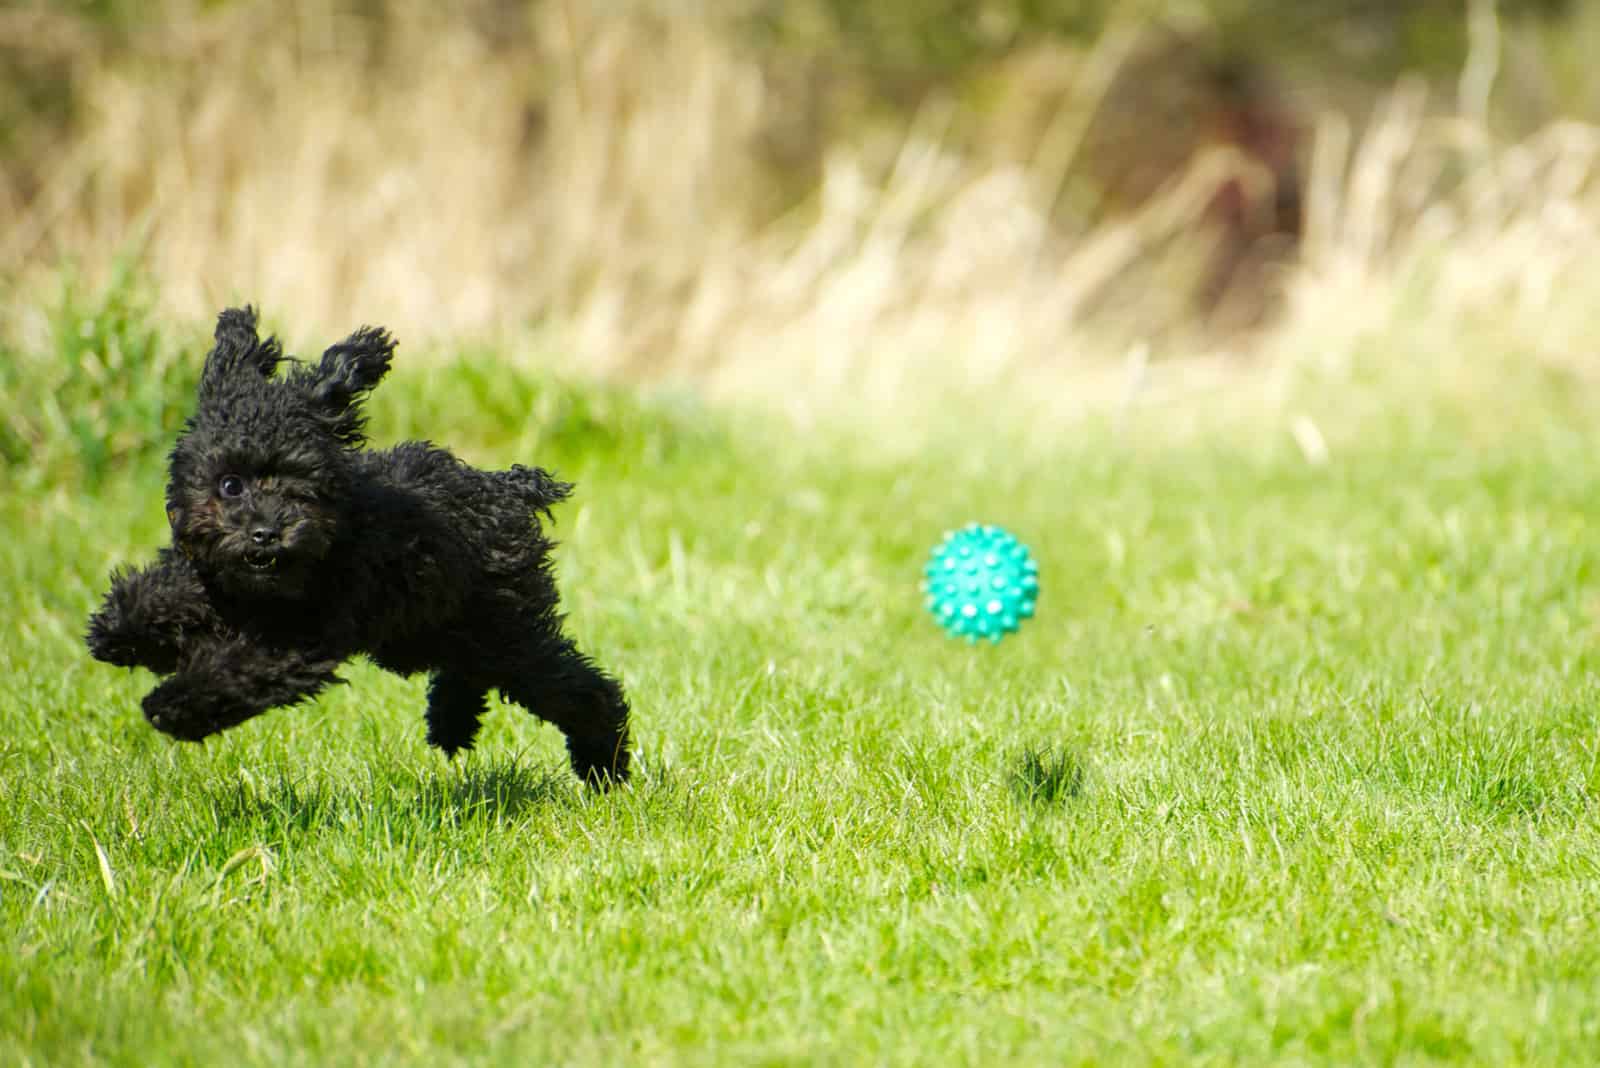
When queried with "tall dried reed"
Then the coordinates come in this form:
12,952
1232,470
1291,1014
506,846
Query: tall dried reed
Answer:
591,184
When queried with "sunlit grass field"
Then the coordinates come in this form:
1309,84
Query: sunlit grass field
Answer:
1298,762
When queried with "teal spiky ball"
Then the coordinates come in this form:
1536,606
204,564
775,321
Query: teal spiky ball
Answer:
981,583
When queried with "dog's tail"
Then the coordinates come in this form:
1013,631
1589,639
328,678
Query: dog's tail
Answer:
539,489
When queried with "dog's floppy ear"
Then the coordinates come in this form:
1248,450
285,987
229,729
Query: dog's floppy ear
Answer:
347,371
238,351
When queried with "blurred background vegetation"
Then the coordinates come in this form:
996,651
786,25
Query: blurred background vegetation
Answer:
812,199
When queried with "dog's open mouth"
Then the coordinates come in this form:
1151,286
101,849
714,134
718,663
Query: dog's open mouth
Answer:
260,559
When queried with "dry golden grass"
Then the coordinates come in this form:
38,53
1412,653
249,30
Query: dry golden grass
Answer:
593,187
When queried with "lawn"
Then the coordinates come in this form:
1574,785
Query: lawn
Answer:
1298,762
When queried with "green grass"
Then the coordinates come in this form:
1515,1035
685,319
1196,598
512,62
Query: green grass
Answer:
1296,764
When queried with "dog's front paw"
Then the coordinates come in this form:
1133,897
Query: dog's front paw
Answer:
108,642
121,647
115,636
183,711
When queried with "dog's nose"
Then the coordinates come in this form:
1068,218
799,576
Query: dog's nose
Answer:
264,535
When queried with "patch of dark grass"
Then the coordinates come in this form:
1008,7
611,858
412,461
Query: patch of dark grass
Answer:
1046,775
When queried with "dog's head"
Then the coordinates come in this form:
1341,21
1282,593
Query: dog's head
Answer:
260,479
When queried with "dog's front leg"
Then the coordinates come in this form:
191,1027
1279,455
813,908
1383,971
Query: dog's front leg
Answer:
220,684
150,615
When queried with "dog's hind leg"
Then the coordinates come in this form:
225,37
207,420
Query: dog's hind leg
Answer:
564,688
455,707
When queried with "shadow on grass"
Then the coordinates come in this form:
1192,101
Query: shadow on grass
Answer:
1046,776
498,790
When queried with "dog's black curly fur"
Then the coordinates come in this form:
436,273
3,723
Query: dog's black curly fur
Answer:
294,548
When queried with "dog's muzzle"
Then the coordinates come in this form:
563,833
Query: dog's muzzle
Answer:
258,559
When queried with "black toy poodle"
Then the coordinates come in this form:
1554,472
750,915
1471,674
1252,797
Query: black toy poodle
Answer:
294,548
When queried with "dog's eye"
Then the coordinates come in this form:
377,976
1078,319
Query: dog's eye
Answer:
231,486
